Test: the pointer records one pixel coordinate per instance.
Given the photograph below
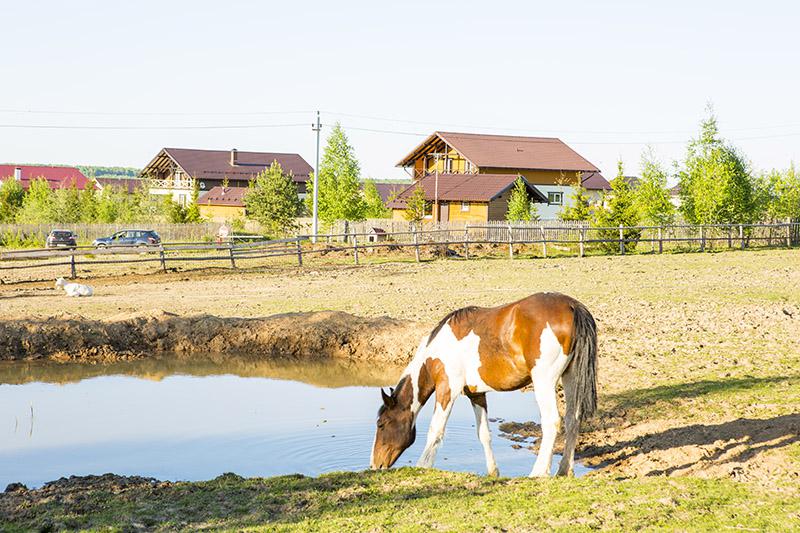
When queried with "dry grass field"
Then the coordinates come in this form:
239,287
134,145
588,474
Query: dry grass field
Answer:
700,353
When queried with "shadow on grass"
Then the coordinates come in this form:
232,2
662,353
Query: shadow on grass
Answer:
639,399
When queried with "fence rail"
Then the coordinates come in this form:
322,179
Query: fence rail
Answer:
515,240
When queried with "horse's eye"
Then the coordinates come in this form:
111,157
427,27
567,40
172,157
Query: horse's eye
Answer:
380,425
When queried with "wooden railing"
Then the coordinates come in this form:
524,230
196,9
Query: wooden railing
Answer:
467,243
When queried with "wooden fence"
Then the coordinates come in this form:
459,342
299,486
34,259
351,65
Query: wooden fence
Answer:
512,240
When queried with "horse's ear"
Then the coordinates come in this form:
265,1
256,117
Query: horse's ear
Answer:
388,400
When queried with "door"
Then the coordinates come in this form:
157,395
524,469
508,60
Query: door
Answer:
444,212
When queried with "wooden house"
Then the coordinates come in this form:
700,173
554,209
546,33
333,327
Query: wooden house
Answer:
174,171
222,204
550,169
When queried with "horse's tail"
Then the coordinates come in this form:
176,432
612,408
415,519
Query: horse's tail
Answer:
584,361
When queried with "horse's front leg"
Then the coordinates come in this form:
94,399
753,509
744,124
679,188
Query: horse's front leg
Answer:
484,433
441,412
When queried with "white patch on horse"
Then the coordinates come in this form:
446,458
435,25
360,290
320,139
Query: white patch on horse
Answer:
545,374
461,359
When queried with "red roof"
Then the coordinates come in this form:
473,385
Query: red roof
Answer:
230,196
508,151
57,177
466,188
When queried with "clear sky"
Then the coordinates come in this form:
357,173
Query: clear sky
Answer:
606,77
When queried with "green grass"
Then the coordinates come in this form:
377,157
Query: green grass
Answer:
415,500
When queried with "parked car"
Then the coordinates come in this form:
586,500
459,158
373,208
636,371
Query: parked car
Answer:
61,238
129,237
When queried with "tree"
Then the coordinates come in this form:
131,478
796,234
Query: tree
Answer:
416,206
620,210
339,195
578,207
519,204
37,205
716,184
780,194
192,214
107,205
11,196
66,205
272,200
375,208
88,203
652,196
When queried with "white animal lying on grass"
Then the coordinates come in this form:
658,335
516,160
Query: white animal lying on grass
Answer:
74,289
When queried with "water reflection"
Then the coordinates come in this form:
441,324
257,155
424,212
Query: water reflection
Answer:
187,419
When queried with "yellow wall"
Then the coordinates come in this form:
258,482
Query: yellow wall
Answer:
541,177
478,212
220,213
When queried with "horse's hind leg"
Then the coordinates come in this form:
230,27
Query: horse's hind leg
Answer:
545,392
571,422
484,434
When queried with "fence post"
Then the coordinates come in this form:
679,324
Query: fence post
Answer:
355,247
299,252
510,243
466,241
660,240
230,250
544,241
788,232
73,270
730,239
162,257
416,243
741,235
702,238
580,242
621,241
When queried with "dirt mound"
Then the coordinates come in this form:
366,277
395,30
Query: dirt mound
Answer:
327,334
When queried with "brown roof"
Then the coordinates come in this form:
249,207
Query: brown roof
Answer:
466,188
230,196
508,151
216,164
127,184
594,181
387,189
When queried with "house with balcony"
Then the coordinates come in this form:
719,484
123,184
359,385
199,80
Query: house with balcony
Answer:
491,164
174,171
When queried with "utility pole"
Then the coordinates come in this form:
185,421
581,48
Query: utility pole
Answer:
315,223
435,213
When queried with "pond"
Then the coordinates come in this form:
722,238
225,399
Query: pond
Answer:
192,419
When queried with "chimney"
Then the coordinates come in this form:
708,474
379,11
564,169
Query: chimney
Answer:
234,157
18,174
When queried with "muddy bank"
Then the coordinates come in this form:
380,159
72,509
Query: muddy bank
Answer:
326,334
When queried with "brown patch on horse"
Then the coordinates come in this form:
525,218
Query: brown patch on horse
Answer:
441,382
476,398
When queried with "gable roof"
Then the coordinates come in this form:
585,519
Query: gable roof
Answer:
58,177
385,190
508,151
216,164
594,181
466,188
230,196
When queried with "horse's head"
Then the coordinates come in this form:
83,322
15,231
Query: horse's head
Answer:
60,282
396,429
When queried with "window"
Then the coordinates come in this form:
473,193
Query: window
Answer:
554,198
467,167
428,210
464,207
448,165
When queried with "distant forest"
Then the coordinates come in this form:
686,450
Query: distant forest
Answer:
91,171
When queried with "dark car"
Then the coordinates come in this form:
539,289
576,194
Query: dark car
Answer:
129,237
61,238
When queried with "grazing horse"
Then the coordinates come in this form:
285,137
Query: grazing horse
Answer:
540,339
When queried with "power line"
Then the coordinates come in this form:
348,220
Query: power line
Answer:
152,113
146,128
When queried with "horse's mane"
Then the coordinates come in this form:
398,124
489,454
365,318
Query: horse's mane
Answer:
458,313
